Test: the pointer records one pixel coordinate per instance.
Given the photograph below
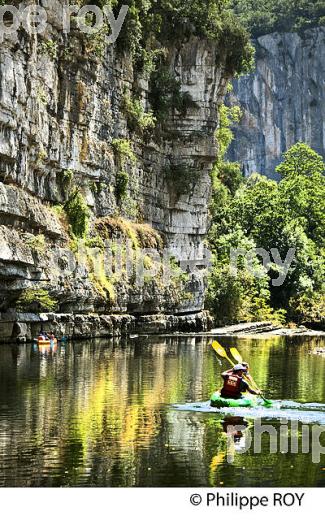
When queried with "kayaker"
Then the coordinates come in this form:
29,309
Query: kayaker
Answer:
247,374
234,384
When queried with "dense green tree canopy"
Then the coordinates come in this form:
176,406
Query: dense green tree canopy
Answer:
266,16
270,215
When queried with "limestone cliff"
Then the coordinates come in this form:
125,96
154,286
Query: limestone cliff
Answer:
283,101
61,121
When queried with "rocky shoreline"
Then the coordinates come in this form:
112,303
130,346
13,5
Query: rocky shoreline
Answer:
23,327
264,329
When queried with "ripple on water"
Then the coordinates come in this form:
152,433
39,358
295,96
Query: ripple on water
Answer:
290,410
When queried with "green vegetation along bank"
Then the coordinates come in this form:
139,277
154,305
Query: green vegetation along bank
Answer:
260,213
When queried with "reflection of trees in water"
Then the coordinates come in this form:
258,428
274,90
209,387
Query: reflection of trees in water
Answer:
89,411
96,413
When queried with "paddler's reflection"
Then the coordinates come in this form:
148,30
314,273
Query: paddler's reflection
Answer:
234,427
234,431
238,436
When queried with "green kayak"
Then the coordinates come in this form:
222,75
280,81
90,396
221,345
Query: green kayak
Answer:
245,402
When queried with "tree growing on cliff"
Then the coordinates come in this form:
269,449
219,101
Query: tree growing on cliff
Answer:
36,300
78,213
152,25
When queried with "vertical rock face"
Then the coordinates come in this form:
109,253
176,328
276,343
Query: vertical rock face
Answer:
60,112
283,101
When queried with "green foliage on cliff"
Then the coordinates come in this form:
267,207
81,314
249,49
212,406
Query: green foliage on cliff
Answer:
67,178
123,150
267,16
122,181
166,95
153,24
50,47
37,243
227,172
124,153
78,213
138,120
261,213
141,235
36,300
180,178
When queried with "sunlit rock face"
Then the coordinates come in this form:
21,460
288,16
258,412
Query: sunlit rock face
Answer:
283,101
60,112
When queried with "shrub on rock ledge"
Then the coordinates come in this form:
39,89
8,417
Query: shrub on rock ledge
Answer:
36,300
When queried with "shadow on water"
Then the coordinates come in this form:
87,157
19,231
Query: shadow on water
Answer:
105,413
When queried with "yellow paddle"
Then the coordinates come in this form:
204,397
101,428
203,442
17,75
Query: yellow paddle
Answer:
237,356
221,351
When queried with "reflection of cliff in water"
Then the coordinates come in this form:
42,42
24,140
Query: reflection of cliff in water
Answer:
98,413
101,403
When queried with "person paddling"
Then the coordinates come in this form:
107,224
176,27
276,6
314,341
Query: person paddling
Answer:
234,383
247,374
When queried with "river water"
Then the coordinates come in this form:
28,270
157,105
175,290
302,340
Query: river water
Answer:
121,413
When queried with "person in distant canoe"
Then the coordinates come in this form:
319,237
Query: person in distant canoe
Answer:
42,336
234,384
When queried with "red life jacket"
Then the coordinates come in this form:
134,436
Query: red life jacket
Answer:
232,386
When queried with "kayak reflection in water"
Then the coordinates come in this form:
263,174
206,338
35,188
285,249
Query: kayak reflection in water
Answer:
234,384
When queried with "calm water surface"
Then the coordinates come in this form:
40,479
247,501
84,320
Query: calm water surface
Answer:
101,414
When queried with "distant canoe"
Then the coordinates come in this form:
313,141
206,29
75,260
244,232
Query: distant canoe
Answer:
46,342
